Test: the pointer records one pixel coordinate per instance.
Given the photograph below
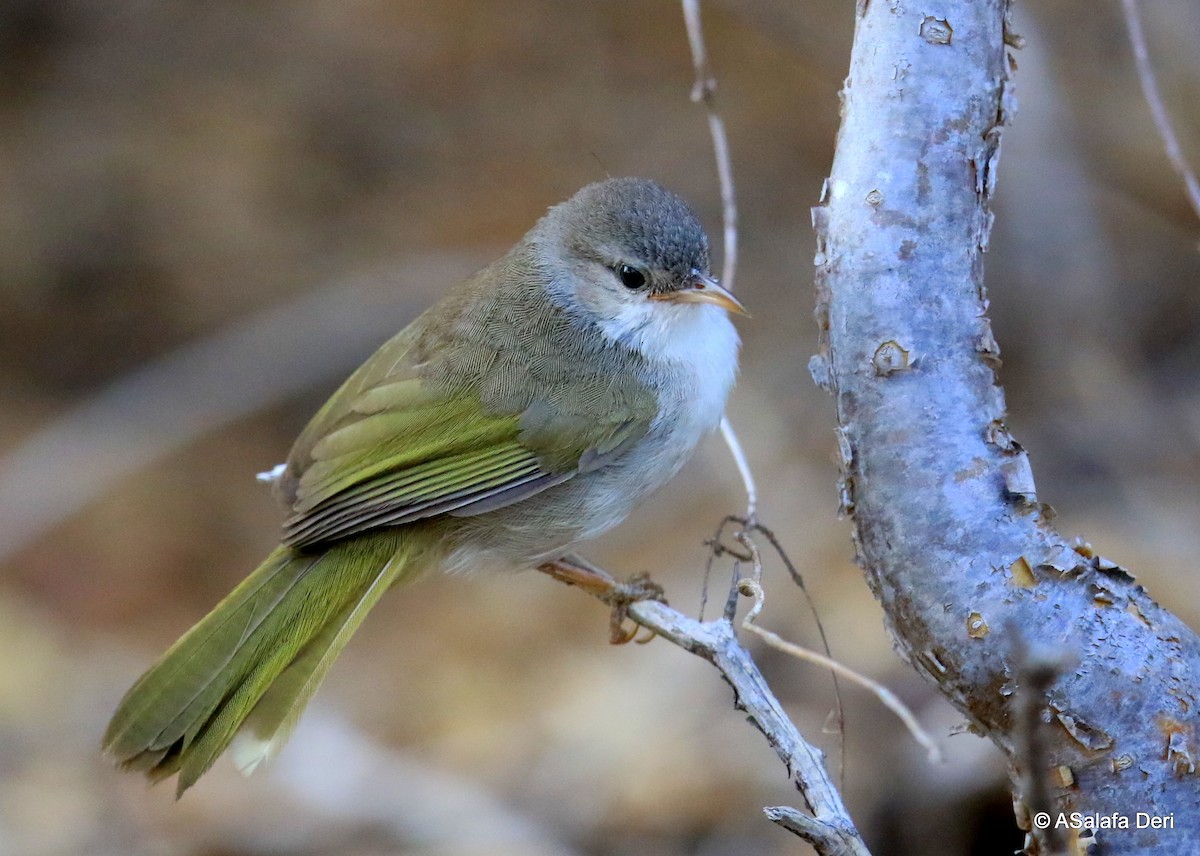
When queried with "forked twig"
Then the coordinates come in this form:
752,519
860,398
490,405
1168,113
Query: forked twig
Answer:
887,698
829,828
751,587
749,552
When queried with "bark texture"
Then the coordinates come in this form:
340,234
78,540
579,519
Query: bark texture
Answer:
973,578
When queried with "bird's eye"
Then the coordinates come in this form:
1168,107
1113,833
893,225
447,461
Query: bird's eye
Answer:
630,276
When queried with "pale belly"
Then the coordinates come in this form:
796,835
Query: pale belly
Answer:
552,523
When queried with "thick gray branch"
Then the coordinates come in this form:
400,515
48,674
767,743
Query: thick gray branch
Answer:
948,528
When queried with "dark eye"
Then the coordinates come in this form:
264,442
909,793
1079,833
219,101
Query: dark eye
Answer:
630,276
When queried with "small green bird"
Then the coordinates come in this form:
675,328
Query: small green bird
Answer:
532,408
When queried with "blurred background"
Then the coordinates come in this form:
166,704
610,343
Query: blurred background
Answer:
211,212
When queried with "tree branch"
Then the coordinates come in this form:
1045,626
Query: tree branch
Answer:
948,528
829,829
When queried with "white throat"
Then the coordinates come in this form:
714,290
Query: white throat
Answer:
681,333
691,347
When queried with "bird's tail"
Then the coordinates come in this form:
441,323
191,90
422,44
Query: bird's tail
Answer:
250,666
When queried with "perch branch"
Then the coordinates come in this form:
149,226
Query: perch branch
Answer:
829,829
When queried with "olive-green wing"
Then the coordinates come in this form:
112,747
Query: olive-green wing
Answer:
493,395
405,454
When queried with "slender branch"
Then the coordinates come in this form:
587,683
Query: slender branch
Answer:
703,91
743,467
886,697
829,828
1162,121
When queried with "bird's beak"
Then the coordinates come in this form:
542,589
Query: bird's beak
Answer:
702,288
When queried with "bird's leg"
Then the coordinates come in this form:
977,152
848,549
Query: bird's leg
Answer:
576,571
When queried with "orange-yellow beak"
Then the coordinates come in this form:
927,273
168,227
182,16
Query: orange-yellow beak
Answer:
702,288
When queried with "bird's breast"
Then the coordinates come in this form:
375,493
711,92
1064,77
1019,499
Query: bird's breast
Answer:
691,377
689,366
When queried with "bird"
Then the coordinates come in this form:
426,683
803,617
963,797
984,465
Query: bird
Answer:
532,408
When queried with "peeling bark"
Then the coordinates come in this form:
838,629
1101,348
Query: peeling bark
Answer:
947,524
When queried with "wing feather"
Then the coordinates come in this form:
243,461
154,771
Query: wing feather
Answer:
467,410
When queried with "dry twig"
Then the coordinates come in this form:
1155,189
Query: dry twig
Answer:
1036,672
1162,121
751,588
829,829
703,91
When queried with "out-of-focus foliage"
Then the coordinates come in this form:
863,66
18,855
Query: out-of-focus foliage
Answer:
167,169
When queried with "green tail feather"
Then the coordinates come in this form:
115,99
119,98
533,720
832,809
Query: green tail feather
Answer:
255,660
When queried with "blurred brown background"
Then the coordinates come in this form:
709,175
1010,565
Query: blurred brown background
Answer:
274,187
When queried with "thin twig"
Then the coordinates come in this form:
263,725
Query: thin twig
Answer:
1037,669
748,551
829,828
702,92
752,587
716,549
1162,121
887,698
743,466
750,528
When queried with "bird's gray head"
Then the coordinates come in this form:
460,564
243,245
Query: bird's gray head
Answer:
635,221
629,248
